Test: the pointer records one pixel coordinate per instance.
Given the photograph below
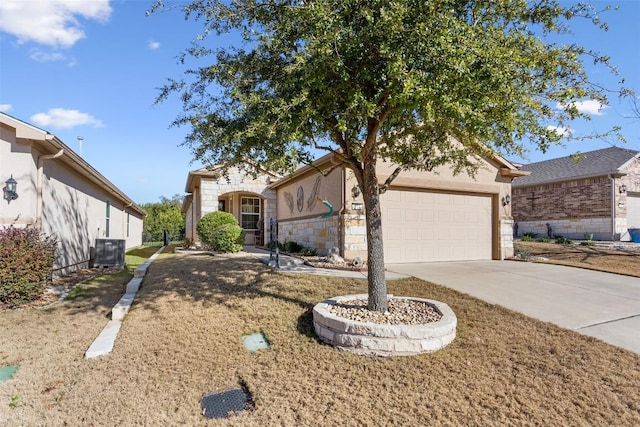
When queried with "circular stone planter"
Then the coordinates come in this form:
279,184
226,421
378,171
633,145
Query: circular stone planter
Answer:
381,339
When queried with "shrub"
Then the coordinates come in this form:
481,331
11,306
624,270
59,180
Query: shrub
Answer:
308,252
207,226
530,234
587,243
526,238
228,238
561,240
26,260
292,247
543,240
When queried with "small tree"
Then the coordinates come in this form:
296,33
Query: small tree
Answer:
163,215
418,84
221,232
26,260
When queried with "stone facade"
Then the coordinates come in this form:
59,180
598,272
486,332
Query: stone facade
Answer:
316,233
355,236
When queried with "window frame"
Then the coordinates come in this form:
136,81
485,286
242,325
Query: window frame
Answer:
255,216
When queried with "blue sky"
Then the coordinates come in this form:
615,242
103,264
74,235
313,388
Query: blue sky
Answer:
92,69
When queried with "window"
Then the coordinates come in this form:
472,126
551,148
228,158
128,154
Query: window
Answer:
108,219
221,206
249,213
128,222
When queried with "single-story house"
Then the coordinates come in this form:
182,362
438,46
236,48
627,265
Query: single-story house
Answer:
60,194
596,193
427,216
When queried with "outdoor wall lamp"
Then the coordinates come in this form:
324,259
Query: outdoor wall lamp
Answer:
355,191
9,189
623,189
506,200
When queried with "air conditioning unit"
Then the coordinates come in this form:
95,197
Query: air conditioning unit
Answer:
109,253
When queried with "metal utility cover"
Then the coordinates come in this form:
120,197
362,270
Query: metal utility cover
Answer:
255,342
6,373
221,405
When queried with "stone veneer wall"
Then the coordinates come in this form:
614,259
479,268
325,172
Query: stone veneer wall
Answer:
571,229
316,233
506,238
355,236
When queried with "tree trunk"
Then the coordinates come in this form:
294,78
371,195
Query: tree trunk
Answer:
375,248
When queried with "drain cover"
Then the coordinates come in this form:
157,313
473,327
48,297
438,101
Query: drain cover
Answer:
6,373
221,405
255,342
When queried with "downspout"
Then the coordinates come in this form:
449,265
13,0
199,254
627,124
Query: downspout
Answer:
613,206
39,201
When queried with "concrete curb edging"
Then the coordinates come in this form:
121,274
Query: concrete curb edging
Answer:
103,344
367,338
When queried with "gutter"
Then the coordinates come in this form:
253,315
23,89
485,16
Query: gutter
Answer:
39,201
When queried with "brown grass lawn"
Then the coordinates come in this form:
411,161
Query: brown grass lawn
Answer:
182,340
625,262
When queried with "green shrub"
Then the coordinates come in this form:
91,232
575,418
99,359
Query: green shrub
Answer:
308,252
543,240
208,225
587,243
228,238
526,238
292,247
530,234
26,260
561,240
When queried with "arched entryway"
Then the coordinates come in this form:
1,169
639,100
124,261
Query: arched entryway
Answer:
249,209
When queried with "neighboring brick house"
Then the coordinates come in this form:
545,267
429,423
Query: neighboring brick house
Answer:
590,193
427,216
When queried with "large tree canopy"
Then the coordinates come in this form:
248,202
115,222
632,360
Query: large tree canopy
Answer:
164,215
381,81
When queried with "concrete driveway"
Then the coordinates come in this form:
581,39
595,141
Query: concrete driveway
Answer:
602,305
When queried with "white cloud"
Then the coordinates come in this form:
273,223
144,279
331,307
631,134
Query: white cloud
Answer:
562,131
60,118
42,56
591,106
154,45
50,22
5,108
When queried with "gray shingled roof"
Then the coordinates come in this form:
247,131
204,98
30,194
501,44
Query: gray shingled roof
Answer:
593,163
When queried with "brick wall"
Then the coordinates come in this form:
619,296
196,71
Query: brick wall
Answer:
569,200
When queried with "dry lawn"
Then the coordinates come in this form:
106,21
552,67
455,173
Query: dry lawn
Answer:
620,261
182,340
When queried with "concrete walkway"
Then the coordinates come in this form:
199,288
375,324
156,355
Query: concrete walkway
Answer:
602,305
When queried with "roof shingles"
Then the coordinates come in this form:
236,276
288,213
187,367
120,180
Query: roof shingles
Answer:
593,163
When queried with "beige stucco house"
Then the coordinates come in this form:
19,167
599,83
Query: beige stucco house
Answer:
427,216
61,194
594,193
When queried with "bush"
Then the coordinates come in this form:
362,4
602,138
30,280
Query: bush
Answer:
543,240
207,226
227,238
526,238
292,247
26,260
587,243
561,240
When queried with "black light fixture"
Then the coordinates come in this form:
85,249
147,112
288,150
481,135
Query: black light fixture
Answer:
506,200
623,189
355,191
9,189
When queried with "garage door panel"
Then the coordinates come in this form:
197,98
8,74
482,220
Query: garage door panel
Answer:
436,226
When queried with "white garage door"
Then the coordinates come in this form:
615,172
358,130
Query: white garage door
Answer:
425,226
633,210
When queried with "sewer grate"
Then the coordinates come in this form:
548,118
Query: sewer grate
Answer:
222,405
255,342
6,373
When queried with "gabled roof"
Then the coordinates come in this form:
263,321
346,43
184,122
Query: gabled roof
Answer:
49,143
608,161
217,171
